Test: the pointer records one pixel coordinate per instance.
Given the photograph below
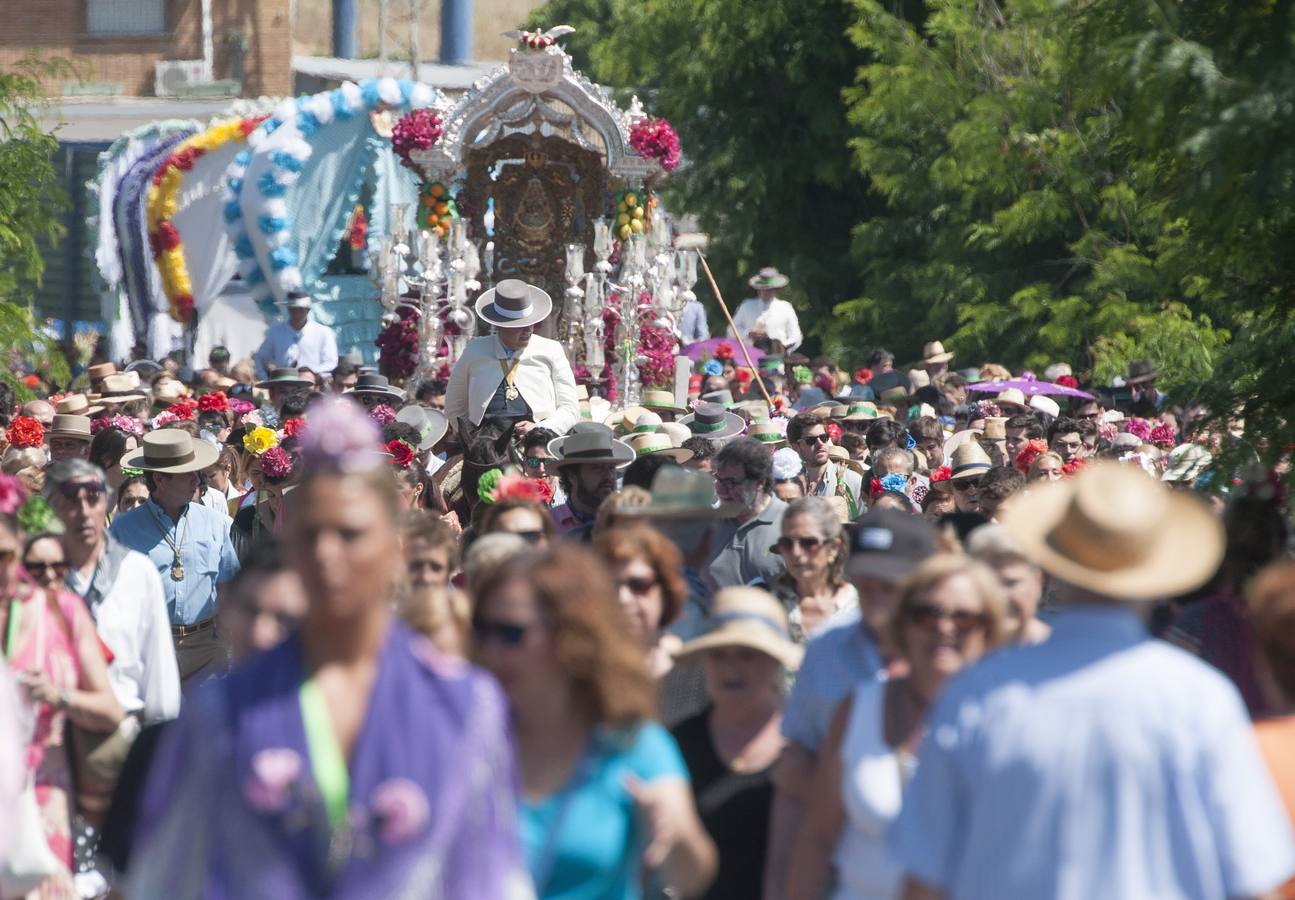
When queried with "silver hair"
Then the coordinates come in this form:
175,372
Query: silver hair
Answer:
66,470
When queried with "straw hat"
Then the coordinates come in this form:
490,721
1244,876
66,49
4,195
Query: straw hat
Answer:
76,405
587,447
658,444
121,388
710,420
169,391
769,279
747,617
1115,531
662,402
172,451
679,493
647,423
934,352
514,304
1186,462
861,411
1012,397
100,371
753,410
70,426
622,420
768,434
995,428
288,378
676,432
969,461
839,454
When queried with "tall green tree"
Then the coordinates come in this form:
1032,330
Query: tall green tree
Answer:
31,198
754,90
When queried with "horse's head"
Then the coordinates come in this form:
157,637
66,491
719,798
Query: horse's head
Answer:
485,447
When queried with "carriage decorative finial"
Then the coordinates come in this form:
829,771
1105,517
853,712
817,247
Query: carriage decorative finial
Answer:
537,40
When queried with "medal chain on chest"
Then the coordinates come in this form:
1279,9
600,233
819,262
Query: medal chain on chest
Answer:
177,567
510,372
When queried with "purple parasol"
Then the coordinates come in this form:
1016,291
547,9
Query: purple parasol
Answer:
1028,385
703,349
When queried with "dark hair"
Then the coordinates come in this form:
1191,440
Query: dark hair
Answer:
401,431
108,447
1272,618
754,458
188,426
126,483
799,424
926,428
879,357
852,441
429,528
883,433
897,496
294,405
209,417
345,370
1064,425
429,389
1027,423
218,352
702,448
641,472
1000,482
538,437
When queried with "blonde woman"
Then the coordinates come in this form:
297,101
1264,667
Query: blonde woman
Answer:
1047,466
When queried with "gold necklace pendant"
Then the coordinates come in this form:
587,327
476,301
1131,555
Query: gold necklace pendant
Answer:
512,393
177,570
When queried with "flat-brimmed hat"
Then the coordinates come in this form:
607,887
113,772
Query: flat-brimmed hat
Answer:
895,396
287,378
76,405
1141,370
372,383
70,426
296,300
753,410
676,432
839,454
172,451
662,402
969,461
995,428
514,304
768,279
100,371
646,423
655,443
712,421
622,420
1186,463
724,398
1045,405
864,411
747,617
1012,398
889,544
680,493
1117,532
121,388
934,352
430,424
589,447
768,434
169,391
147,368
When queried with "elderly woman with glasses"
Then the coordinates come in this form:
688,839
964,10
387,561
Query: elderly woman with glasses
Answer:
813,549
950,612
604,794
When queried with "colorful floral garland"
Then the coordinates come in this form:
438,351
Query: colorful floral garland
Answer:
164,200
305,116
656,139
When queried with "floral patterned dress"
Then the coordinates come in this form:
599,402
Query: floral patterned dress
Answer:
43,643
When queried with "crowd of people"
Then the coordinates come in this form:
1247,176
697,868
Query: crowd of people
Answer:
796,632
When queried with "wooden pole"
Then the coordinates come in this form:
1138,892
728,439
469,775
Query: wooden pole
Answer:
755,373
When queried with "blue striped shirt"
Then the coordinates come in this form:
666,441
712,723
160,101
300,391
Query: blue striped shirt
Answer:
1101,763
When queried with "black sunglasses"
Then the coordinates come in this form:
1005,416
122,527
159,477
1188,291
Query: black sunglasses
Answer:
815,438
75,490
508,634
965,484
807,545
40,568
964,622
640,586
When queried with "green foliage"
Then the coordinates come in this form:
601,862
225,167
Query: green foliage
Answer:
30,201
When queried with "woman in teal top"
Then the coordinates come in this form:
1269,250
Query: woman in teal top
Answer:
606,804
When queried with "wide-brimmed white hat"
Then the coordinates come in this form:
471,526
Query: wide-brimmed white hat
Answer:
768,279
1117,532
66,425
172,451
657,443
430,424
1013,398
747,617
934,352
514,304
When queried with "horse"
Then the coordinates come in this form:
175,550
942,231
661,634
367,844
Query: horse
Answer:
486,446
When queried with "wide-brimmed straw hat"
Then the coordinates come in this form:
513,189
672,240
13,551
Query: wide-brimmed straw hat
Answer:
747,617
69,426
676,432
172,451
680,494
861,411
77,405
590,447
99,371
714,422
768,434
969,461
120,388
514,304
662,402
656,443
768,279
1117,532
934,352
1011,398
1140,371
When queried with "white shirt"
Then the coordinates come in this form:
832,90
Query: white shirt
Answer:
314,347
215,500
543,378
778,320
1100,763
132,620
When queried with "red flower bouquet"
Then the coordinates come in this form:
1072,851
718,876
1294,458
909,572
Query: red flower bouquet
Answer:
294,427
402,455
24,431
216,401
1030,453
656,139
417,130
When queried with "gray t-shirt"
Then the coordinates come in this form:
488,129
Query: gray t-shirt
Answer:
746,551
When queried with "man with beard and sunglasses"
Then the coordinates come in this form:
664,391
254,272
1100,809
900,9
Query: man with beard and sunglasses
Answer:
808,436
744,476
122,590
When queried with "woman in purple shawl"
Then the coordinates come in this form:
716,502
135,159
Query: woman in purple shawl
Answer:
351,761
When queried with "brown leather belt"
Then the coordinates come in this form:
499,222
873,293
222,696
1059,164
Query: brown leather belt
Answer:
186,630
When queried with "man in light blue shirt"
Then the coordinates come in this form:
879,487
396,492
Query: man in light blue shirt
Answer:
1101,763
692,324
187,542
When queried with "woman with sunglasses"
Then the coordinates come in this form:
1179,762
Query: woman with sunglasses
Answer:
537,461
529,521
43,560
950,613
812,548
50,643
353,759
605,796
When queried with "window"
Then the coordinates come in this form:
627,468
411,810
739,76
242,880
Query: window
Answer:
125,16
